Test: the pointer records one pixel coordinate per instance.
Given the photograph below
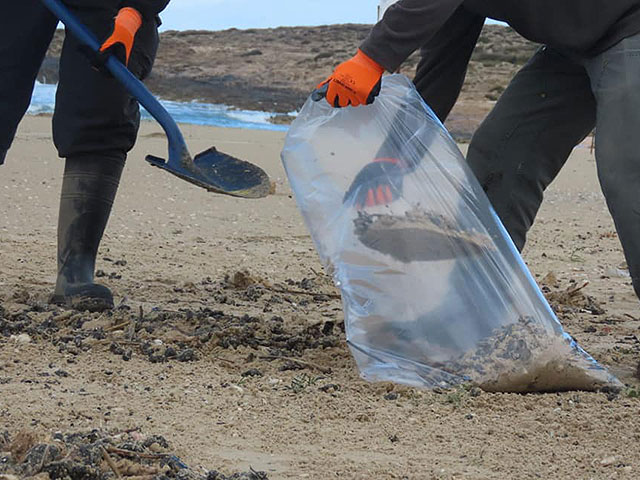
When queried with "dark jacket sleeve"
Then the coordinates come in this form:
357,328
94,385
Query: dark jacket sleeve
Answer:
405,27
444,61
148,8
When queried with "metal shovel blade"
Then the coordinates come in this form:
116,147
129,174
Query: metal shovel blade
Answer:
220,173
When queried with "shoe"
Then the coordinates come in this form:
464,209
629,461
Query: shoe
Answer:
89,297
89,188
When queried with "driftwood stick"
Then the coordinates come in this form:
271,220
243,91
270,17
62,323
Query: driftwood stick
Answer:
44,459
110,461
315,366
130,453
291,291
117,327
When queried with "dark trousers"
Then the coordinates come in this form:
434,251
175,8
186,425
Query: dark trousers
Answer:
94,115
551,105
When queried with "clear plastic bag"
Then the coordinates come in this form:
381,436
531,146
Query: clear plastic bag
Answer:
383,5
434,291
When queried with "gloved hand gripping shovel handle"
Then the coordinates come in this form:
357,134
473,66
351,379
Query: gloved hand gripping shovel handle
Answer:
130,82
208,171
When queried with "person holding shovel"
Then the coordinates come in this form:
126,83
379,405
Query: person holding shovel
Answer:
586,75
95,123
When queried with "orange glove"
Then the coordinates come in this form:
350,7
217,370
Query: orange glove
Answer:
354,82
378,183
120,43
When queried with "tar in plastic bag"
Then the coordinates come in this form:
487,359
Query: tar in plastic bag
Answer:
434,291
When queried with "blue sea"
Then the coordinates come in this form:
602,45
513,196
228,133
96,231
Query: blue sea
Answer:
197,113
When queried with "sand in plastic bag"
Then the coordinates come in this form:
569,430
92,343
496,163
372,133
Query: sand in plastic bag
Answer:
434,291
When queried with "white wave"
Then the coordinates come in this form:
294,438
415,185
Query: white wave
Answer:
43,99
197,113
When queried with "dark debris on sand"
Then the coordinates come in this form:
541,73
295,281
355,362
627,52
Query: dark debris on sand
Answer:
572,299
186,334
99,455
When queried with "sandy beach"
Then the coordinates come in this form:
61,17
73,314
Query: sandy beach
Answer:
233,285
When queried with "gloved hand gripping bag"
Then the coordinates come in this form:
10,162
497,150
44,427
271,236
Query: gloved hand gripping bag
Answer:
435,293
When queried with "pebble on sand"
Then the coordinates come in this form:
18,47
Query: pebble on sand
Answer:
22,338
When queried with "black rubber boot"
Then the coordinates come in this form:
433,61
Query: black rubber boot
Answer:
88,190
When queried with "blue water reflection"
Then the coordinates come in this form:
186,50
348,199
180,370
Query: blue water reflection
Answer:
196,113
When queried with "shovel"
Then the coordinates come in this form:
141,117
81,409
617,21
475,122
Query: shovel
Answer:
211,169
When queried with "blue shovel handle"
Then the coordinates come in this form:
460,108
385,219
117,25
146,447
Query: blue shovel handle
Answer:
178,153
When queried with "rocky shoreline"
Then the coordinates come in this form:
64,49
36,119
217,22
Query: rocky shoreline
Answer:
274,69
